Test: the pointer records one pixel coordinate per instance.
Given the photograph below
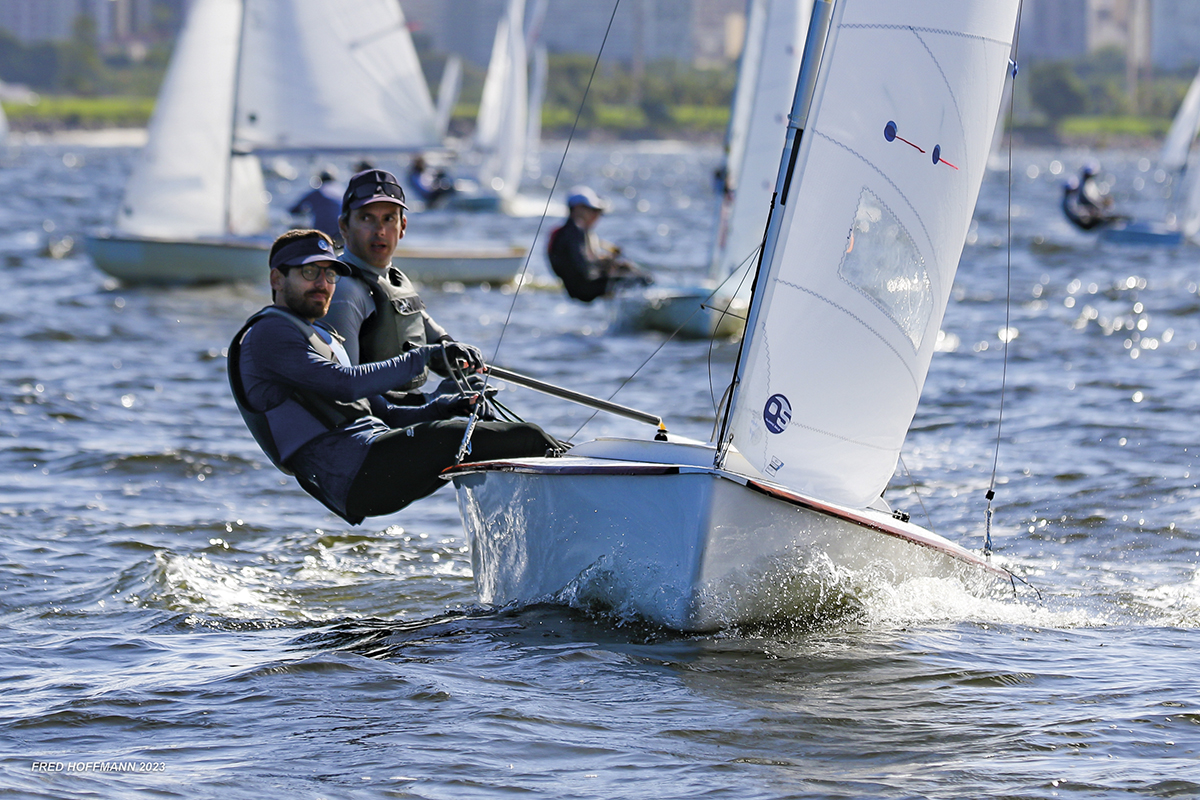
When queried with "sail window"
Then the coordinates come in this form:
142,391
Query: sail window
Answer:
882,263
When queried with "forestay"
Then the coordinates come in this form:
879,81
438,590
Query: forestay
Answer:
331,75
848,306
501,126
180,187
770,61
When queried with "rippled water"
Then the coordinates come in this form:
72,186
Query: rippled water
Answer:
179,619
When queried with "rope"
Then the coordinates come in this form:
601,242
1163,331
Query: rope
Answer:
465,447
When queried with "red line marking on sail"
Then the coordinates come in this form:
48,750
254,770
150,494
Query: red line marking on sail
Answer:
910,144
947,163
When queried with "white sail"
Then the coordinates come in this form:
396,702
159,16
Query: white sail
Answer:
849,302
501,126
537,94
448,90
180,185
1183,130
331,75
770,62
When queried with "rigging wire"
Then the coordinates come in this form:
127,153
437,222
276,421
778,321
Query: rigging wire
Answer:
700,307
991,492
465,447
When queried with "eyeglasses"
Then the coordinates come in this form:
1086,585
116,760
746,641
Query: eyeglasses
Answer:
310,272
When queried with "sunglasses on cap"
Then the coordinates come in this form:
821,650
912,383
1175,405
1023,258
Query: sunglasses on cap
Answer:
371,185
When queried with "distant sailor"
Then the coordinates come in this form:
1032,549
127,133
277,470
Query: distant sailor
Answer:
324,420
431,185
1085,203
589,266
322,204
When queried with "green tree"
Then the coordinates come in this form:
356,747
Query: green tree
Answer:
82,71
1056,90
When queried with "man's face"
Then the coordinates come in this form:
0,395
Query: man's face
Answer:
373,231
308,299
586,217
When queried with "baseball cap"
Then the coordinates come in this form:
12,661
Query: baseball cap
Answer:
307,251
584,196
370,186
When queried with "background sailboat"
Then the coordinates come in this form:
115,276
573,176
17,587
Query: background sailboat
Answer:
1182,219
250,77
891,124
503,126
769,63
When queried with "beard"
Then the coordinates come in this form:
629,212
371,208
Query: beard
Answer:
309,303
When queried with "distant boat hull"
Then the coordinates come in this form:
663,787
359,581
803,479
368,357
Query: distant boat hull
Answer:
675,541
688,312
1147,234
142,260
465,263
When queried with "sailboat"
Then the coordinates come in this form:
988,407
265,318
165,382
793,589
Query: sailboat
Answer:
769,63
502,126
885,151
250,77
1183,215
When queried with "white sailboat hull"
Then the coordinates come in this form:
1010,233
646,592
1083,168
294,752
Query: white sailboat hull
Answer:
143,260
139,259
462,263
690,312
686,546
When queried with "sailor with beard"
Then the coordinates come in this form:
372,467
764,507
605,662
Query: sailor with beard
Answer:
324,420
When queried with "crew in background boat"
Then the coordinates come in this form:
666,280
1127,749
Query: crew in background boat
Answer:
322,204
1086,203
379,311
326,421
589,266
430,184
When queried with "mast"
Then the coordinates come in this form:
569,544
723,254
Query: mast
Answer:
233,121
814,49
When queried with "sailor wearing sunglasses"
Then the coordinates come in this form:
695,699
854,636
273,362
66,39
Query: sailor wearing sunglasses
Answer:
321,418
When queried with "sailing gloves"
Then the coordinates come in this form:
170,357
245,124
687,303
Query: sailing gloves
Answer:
461,405
461,356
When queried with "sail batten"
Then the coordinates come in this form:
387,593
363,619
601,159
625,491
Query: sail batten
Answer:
871,225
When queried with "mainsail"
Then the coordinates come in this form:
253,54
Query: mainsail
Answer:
331,75
180,187
1183,130
770,61
258,75
874,213
501,126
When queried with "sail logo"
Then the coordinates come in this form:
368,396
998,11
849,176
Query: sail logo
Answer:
777,413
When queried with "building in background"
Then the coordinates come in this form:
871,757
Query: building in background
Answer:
118,22
696,32
1175,34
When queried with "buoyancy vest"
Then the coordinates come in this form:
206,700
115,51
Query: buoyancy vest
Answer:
398,324
331,413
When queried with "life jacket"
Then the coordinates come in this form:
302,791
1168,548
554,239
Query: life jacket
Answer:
398,324
331,413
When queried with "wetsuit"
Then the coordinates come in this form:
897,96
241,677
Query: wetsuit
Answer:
326,421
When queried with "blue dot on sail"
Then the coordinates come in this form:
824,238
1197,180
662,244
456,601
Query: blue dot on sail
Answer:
777,413
937,153
889,131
